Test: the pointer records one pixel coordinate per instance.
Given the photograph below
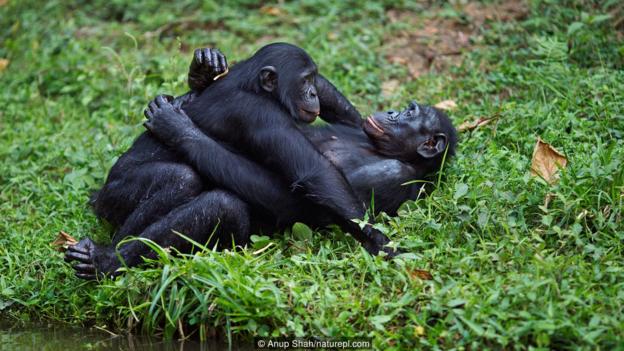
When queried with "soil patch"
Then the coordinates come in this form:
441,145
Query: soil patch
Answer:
437,42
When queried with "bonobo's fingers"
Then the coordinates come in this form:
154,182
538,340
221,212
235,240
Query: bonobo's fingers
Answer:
215,60
147,113
177,104
84,268
222,62
199,56
77,256
86,276
207,57
161,101
152,106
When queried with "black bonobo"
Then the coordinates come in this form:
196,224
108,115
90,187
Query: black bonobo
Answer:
253,110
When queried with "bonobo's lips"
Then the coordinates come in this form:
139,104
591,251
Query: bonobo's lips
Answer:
308,116
373,127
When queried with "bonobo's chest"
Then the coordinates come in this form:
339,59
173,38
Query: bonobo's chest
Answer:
345,152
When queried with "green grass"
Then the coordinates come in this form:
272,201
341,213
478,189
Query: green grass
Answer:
509,272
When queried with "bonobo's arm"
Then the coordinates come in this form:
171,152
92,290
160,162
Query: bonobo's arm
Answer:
335,108
385,179
252,182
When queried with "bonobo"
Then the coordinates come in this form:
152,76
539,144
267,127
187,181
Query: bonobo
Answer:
253,110
390,149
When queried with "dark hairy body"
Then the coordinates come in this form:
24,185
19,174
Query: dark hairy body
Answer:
183,186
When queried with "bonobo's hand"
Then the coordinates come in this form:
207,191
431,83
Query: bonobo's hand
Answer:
93,261
376,241
167,121
207,64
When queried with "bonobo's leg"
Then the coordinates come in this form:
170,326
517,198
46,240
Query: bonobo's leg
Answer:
196,219
133,200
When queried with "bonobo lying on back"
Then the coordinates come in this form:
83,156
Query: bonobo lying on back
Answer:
390,149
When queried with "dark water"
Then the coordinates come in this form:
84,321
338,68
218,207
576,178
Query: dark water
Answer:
55,338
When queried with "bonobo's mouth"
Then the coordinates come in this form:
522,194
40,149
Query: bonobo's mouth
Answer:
308,116
373,127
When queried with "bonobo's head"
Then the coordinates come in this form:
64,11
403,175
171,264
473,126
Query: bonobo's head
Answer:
287,73
417,134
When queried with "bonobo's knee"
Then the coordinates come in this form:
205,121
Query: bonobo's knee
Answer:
233,216
184,178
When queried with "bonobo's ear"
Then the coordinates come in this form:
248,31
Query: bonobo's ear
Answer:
268,78
433,146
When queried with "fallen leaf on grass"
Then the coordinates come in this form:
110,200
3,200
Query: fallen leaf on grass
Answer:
271,10
420,274
3,63
470,125
547,161
446,105
63,241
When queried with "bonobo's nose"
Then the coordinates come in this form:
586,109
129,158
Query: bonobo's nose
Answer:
392,114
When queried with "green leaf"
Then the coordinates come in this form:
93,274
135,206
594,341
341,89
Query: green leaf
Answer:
574,27
461,189
378,321
301,231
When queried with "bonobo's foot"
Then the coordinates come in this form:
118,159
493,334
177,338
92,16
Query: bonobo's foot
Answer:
376,241
207,64
168,122
92,261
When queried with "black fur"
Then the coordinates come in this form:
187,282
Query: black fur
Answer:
150,180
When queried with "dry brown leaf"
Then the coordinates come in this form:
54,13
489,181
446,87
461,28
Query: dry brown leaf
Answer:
271,10
470,125
3,2
389,87
547,161
4,63
63,241
446,105
420,274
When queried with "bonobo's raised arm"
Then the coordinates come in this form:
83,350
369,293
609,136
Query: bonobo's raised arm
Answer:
208,63
335,108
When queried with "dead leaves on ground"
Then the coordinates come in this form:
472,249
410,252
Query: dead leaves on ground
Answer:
63,241
446,105
420,274
4,63
470,125
547,161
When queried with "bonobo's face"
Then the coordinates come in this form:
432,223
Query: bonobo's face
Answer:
416,133
306,101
